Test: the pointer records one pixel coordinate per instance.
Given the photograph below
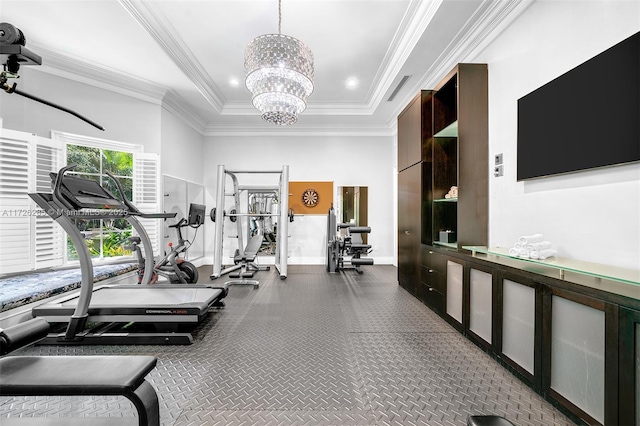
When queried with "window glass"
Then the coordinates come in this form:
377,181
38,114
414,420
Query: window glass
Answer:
105,238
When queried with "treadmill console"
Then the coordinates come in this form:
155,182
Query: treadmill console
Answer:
86,193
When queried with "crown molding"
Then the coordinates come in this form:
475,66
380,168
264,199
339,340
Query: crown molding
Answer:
301,130
489,20
177,106
238,108
96,75
417,18
161,30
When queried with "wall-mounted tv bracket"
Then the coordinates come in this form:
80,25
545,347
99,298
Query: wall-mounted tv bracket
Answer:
13,53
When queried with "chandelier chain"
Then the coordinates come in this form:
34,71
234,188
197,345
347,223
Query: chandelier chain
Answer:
279,16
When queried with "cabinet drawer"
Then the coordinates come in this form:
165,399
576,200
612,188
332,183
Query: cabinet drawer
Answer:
432,298
434,279
434,260
426,255
439,263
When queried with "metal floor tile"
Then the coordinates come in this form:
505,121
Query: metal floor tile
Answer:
314,349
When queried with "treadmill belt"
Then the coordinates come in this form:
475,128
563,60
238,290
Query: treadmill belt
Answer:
149,296
138,300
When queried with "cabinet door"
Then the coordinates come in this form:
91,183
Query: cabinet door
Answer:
410,134
519,324
409,220
481,303
575,343
454,292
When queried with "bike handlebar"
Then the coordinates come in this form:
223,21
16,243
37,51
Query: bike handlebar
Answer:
180,224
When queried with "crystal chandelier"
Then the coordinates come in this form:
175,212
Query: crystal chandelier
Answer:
279,73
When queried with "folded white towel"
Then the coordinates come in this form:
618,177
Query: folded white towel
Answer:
543,254
529,239
518,246
543,245
514,252
523,253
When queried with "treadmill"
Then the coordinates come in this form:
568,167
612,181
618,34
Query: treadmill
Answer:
117,314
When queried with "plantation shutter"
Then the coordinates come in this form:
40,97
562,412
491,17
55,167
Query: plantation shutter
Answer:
49,238
15,221
146,193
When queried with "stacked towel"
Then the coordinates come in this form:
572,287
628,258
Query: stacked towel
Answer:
542,245
529,239
532,247
542,254
453,192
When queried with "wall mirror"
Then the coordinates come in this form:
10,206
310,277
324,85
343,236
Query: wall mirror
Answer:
354,202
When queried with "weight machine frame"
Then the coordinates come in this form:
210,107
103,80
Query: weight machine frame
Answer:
282,192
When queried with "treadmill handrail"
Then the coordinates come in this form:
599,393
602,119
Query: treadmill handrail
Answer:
133,209
57,187
126,201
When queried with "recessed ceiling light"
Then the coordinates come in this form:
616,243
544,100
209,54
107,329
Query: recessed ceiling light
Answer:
352,83
234,82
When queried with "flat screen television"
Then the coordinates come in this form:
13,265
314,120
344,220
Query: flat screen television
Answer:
196,214
588,117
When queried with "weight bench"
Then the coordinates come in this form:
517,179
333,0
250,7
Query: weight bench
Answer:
74,376
357,249
245,260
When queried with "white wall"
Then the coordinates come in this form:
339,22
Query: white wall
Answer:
592,215
125,119
181,152
345,160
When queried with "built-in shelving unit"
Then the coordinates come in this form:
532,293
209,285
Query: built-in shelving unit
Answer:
458,157
570,330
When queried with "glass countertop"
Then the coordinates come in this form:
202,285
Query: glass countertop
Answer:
630,276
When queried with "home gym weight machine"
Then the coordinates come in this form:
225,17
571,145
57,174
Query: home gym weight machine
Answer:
245,255
342,249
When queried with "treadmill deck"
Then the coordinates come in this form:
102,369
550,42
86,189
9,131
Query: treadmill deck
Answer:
124,303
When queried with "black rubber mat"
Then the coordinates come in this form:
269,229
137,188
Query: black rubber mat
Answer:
315,349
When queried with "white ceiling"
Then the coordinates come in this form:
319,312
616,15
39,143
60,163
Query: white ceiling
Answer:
185,52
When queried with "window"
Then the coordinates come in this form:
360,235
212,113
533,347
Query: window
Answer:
139,174
105,238
32,240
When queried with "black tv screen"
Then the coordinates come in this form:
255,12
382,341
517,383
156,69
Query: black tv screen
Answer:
588,117
196,214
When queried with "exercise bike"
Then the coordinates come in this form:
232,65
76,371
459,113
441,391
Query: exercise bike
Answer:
172,266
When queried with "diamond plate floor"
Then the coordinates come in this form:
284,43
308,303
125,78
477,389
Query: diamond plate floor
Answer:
315,349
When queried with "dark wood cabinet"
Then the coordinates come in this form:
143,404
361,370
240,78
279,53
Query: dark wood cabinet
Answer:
414,128
574,340
430,153
409,225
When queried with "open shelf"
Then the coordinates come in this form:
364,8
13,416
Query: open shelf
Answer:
562,264
451,131
446,200
443,244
